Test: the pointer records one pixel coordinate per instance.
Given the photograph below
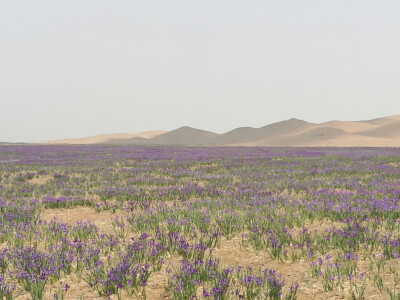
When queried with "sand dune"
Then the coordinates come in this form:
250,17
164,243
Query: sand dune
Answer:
245,135
383,121
237,135
380,132
350,126
309,135
105,138
391,130
315,135
184,136
283,127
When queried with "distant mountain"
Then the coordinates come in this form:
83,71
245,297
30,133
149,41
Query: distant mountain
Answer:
381,132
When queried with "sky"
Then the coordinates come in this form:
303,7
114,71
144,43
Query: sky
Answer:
78,68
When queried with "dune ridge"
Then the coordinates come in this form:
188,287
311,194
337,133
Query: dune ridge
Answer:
106,138
380,132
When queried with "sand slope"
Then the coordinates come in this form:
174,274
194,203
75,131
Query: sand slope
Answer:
391,130
350,126
237,135
184,136
106,138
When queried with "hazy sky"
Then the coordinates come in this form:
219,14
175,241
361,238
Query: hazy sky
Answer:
78,68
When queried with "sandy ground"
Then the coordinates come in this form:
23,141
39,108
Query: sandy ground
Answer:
230,253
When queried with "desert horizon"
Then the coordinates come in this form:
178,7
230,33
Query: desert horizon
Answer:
378,132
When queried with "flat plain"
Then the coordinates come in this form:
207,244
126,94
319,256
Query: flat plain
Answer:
137,222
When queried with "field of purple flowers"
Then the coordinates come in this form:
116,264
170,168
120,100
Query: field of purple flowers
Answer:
124,222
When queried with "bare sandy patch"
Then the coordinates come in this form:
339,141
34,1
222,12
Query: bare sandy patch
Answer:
103,220
40,180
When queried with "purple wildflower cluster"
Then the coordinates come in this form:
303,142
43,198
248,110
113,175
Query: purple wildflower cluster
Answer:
332,210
